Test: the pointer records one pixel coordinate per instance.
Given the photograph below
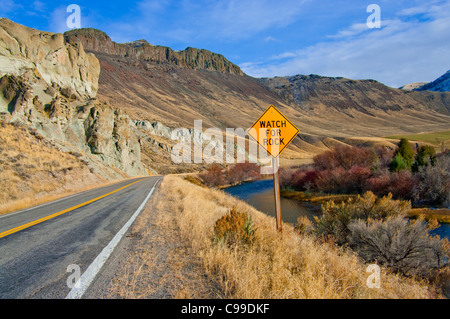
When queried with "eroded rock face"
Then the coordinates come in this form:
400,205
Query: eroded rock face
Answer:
192,58
51,86
109,135
50,58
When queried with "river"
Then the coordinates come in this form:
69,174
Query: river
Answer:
260,195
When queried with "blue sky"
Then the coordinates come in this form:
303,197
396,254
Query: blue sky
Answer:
274,38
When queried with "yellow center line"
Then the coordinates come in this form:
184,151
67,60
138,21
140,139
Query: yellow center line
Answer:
19,228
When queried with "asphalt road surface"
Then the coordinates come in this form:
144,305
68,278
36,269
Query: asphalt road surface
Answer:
44,249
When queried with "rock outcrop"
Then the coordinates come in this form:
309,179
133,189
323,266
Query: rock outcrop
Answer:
109,134
49,56
50,86
97,41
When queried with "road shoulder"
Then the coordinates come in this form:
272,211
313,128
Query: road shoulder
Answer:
153,262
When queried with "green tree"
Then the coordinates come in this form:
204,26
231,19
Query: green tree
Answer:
425,155
403,156
398,164
406,151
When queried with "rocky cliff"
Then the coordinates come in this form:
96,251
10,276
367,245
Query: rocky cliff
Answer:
51,86
98,41
49,57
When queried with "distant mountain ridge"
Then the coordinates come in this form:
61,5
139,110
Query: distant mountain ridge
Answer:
154,83
346,95
412,86
97,41
442,84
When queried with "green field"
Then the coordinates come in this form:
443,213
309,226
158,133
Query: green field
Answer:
436,138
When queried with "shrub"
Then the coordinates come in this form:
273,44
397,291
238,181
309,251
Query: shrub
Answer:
426,155
242,172
213,177
330,181
400,184
398,164
384,155
304,226
357,176
345,156
399,244
379,184
234,228
300,179
342,181
285,176
336,218
433,182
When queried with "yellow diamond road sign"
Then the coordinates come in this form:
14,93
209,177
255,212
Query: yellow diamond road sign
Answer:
273,131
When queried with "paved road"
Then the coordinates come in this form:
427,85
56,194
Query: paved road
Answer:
34,261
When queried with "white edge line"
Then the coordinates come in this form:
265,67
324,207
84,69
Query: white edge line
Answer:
88,276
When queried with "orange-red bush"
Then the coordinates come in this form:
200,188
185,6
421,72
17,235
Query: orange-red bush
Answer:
340,180
242,172
213,176
401,185
346,157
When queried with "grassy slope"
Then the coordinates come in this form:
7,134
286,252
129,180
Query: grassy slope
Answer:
435,138
34,171
285,266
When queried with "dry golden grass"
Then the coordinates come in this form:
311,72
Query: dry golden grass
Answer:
315,198
160,264
286,265
441,215
33,171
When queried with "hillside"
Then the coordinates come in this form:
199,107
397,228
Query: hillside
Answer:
156,88
51,86
118,104
442,84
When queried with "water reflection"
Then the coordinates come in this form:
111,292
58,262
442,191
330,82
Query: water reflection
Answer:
260,195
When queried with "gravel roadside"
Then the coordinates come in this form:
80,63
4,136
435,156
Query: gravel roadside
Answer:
152,262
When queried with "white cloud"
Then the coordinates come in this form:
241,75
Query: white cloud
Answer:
244,18
270,39
8,6
231,20
58,20
401,52
39,6
431,6
354,29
